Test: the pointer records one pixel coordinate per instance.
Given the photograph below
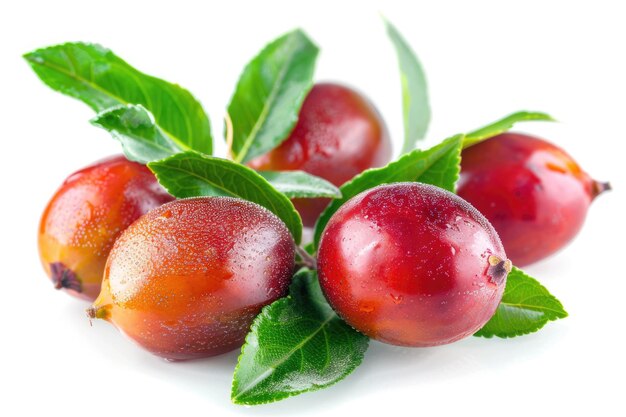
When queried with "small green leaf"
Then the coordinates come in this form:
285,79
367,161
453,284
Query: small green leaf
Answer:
191,174
439,166
415,105
134,126
96,76
299,184
264,108
296,345
503,125
526,307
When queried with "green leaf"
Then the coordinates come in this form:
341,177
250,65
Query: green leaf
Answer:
299,184
296,345
191,174
526,307
415,105
96,76
264,108
134,126
503,125
439,166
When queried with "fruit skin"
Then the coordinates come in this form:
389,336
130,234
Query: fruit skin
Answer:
85,216
533,193
186,280
412,265
338,135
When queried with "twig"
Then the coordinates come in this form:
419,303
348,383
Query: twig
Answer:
307,260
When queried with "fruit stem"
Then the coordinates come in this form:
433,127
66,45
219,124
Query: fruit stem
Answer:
99,312
229,135
600,187
307,260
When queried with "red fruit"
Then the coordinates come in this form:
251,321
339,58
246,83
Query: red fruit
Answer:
87,214
412,265
186,280
338,135
535,195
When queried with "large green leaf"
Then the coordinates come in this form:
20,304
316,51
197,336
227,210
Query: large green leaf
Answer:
299,184
142,140
439,166
269,94
526,307
502,125
190,174
99,78
415,105
297,344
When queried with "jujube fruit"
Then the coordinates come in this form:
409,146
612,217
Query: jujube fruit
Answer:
533,193
412,265
86,215
186,280
339,134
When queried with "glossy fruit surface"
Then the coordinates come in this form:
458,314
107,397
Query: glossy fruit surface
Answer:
86,215
412,265
533,193
338,135
186,280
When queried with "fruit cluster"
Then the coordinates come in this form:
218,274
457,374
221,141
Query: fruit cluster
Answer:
192,255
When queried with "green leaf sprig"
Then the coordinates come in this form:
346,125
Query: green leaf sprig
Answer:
269,94
297,344
415,103
102,80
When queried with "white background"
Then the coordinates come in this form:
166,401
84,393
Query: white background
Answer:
483,60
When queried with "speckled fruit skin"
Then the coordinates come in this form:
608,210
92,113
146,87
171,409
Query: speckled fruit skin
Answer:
338,135
533,193
86,215
186,280
412,265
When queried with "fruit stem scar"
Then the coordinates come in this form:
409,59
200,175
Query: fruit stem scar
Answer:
307,260
499,268
63,277
600,187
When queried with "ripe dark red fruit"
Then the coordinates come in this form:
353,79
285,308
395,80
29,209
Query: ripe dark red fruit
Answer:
338,135
186,280
535,195
412,265
87,214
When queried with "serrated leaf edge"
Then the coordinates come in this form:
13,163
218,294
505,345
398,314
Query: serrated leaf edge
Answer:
30,57
284,395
